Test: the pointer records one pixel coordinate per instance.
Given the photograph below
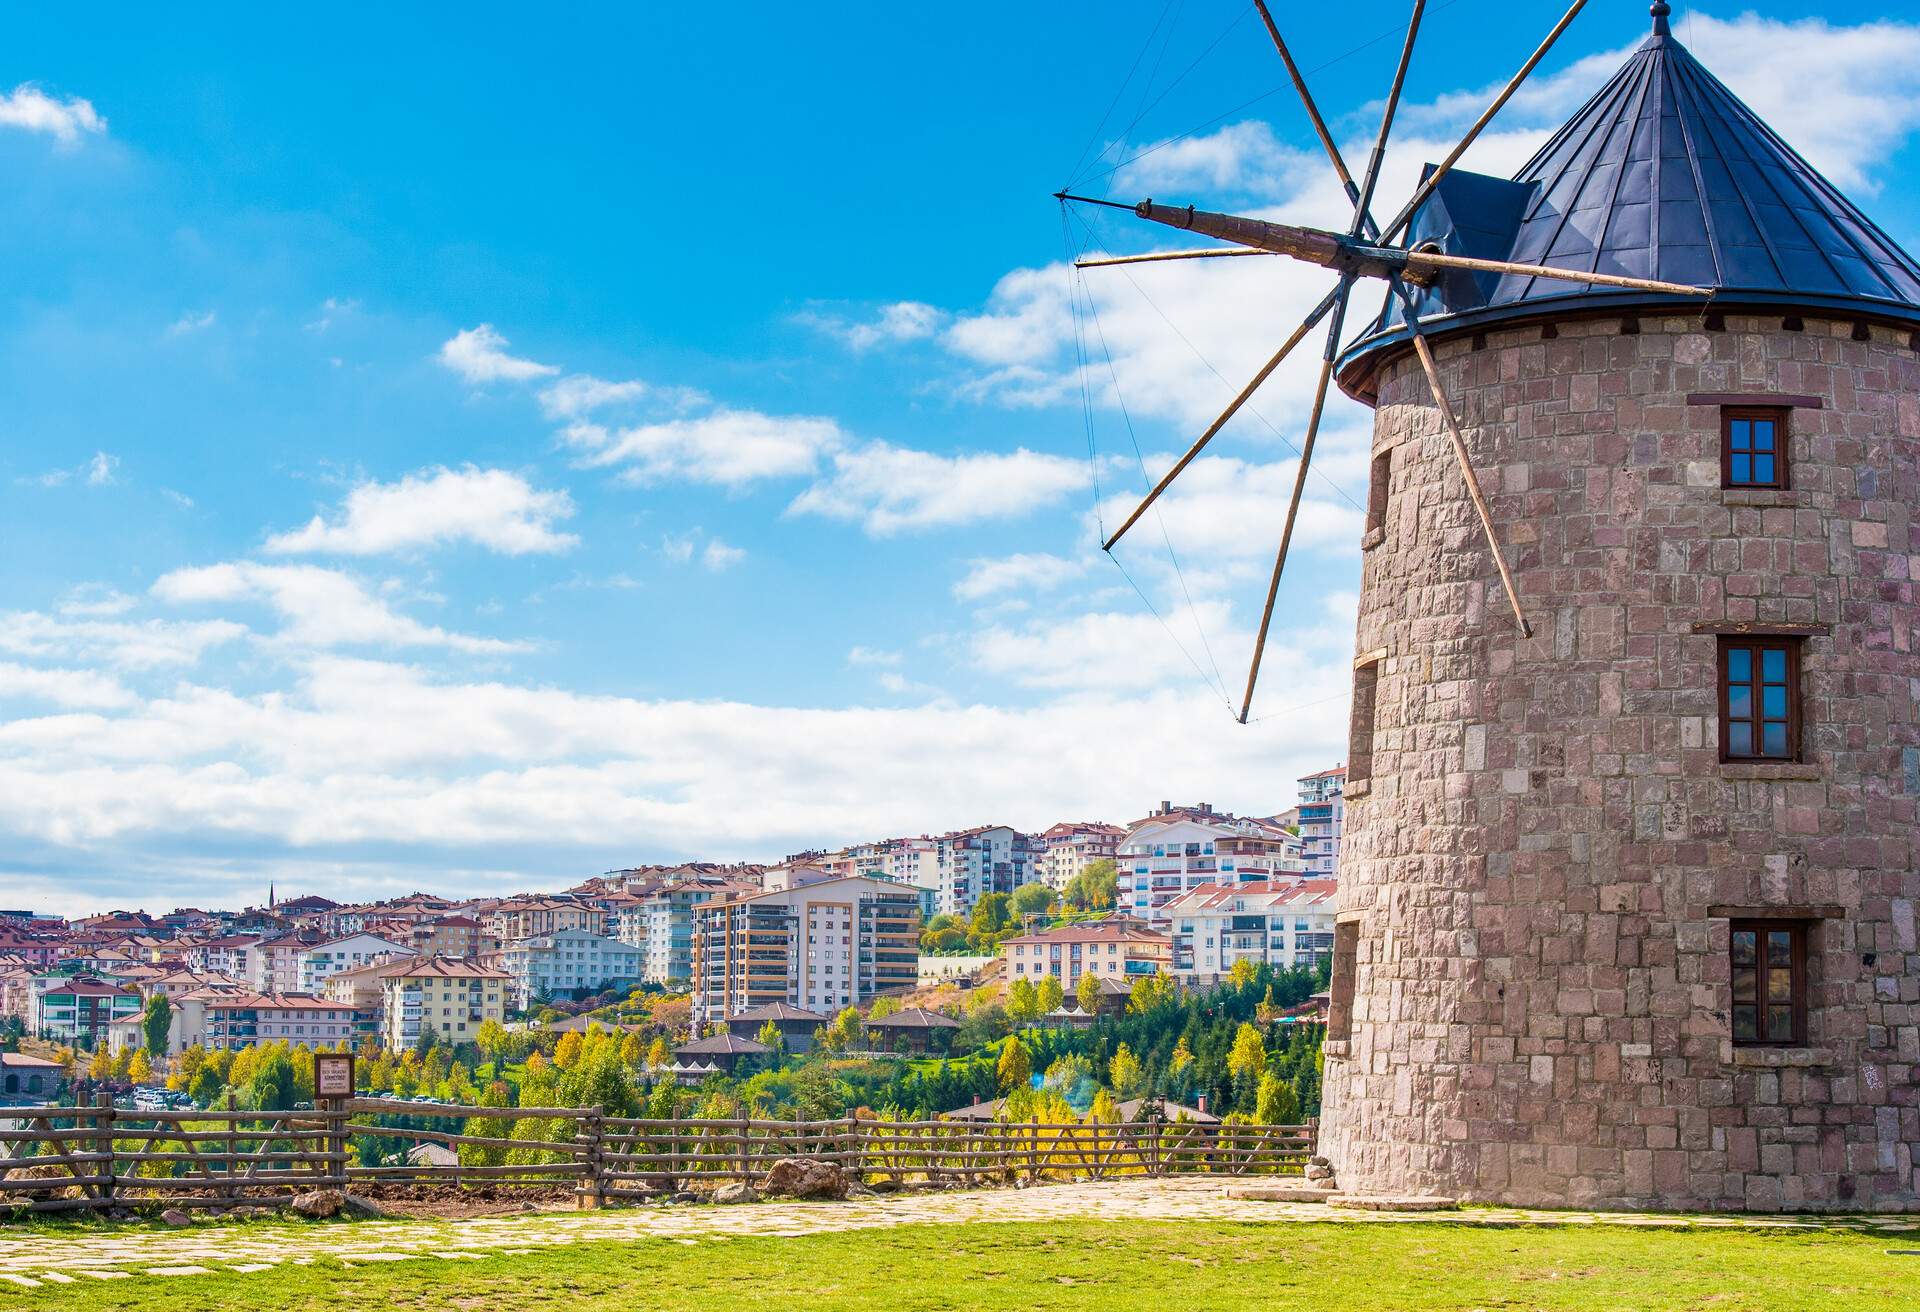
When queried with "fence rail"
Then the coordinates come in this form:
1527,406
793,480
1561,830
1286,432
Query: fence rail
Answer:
97,1157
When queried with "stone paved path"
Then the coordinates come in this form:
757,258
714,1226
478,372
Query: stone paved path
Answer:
31,1260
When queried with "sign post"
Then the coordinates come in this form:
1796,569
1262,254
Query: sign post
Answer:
332,1090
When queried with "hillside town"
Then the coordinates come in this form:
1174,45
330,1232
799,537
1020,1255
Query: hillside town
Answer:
1085,908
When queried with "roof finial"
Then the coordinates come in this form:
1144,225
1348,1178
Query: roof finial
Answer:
1660,11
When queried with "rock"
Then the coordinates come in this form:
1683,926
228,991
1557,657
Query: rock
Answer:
858,1190
736,1192
1392,1203
886,1184
1279,1193
684,1196
319,1203
174,1216
364,1208
806,1177
1318,1161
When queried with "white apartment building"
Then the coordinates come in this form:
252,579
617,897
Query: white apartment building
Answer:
220,1019
1323,820
660,925
568,961
322,960
450,998
231,956
1283,923
1178,849
1068,848
273,964
816,943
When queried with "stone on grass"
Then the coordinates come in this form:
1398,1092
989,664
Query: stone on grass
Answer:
805,1177
174,1216
735,1192
319,1203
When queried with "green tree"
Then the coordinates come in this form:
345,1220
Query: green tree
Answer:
1150,993
1030,900
154,1023
1048,996
817,1096
1022,1002
491,1039
1087,992
1249,1055
1124,1072
883,1007
1276,1103
271,1088
1093,889
205,1087
1241,973
1015,1069
945,933
990,916
770,1036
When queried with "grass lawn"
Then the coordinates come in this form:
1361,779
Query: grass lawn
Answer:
1150,1266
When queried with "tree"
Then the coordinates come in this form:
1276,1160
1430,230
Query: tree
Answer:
1048,996
1124,1072
945,933
631,1049
658,1053
883,1007
139,1069
100,1065
1104,1109
817,1096
1150,993
1249,1055
1242,972
1093,889
491,1039
1181,1061
566,1053
1276,1104
1022,1004
271,1088
205,1087
990,916
770,1036
155,1022
1015,1070
1087,992
1030,900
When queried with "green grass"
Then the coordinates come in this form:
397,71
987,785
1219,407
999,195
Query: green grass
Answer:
1112,1267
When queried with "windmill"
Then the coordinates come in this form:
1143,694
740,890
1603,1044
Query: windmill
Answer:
1365,250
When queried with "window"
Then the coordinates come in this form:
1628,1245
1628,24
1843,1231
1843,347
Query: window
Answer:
1753,446
1759,699
1769,959
1377,490
1366,684
1346,952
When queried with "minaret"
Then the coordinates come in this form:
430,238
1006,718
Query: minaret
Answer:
1628,906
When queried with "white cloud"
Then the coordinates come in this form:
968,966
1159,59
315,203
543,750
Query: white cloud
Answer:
332,310
731,448
479,355
29,108
903,321
179,499
872,656
889,488
718,556
142,645
95,599
579,394
318,607
100,469
677,548
1105,651
1223,510
1023,570
191,323
72,688
491,508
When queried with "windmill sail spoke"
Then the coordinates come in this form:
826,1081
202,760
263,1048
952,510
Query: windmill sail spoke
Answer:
1426,189
1306,98
1362,221
1233,407
1445,407
1299,486
1418,260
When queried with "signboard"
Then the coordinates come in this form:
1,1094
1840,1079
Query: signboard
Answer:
333,1075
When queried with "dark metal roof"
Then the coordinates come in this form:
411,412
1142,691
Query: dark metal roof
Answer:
1664,174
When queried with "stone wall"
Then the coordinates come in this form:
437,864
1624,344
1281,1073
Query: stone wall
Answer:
1543,863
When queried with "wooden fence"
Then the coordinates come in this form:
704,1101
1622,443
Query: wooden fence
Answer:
97,1157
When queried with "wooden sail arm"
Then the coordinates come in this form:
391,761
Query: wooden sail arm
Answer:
1313,245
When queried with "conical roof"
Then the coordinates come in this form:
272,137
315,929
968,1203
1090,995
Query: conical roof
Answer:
1663,174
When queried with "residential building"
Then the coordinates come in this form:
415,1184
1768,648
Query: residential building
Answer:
660,924
76,1009
795,1025
1323,819
718,1054
448,997
273,964
323,959
971,863
1070,847
220,1019
912,1029
1120,948
29,1081
822,944
525,917
230,955
568,962
1282,923
1177,849
363,989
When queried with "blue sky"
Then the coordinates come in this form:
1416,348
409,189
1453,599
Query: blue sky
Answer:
472,454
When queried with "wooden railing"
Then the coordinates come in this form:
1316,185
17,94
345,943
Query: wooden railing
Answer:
97,1157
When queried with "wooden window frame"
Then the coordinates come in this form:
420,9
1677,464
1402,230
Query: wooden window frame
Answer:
1755,646
1799,930
1340,985
1362,722
1780,416
1379,490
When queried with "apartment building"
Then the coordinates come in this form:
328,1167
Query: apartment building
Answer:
527,917
568,962
273,964
1177,849
450,936
818,943
1323,820
230,955
77,1009
216,1018
363,989
660,925
1070,847
326,958
1283,923
448,997
1120,949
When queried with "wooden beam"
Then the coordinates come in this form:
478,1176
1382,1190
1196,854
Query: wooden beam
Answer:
1435,260
1107,261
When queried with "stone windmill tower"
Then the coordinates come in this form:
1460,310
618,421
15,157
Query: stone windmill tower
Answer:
1629,889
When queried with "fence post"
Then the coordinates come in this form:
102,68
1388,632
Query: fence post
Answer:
1313,1140
746,1150
849,1148
103,1143
592,1194
1153,1140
